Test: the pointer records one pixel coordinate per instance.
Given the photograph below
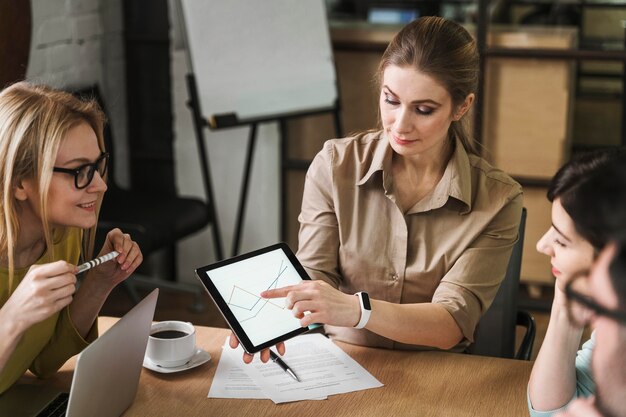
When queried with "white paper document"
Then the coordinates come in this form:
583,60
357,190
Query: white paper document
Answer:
322,367
231,380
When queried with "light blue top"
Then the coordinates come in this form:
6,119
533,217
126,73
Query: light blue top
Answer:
585,385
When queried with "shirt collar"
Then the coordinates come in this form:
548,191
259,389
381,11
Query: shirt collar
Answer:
456,180
455,183
381,160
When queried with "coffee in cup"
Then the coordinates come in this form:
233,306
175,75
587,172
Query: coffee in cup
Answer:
171,343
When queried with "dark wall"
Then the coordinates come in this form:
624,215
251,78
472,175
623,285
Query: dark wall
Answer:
148,86
15,32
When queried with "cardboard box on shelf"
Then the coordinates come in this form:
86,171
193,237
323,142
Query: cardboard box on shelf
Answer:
528,103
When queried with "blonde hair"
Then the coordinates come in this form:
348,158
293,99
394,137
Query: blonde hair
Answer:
34,120
445,51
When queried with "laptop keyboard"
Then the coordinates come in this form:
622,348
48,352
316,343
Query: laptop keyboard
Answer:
57,407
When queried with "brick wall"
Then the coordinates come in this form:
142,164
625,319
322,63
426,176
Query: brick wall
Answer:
78,43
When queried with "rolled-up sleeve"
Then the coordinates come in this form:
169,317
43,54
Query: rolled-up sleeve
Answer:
469,287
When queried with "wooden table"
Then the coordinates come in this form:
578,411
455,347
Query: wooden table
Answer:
416,384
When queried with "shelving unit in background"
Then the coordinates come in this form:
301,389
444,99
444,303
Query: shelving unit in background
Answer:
598,106
543,78
532,273
527,106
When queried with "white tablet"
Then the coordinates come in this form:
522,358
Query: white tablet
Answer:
235,285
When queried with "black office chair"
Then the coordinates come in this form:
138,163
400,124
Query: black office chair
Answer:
154,221
495,334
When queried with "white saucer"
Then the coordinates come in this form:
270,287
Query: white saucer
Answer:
201,356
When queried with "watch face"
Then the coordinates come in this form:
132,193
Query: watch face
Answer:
366,301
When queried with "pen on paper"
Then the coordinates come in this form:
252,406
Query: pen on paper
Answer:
97,261
283,365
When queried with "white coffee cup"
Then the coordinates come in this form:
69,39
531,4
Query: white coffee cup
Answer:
171,343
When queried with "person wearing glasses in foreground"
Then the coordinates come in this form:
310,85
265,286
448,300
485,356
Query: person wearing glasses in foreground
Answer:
409,215
599,300
53,165
579,231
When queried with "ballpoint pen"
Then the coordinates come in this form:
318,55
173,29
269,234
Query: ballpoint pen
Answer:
283,365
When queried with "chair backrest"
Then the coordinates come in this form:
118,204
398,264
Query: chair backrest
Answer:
155,220
495,334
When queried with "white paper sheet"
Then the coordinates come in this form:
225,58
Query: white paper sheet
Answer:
231,380
323,368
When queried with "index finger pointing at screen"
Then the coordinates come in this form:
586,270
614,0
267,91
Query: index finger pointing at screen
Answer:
278,292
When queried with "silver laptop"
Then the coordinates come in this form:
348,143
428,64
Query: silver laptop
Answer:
106,376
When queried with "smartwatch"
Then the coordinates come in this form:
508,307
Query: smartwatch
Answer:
366,309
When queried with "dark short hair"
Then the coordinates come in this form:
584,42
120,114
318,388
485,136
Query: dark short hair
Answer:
601,211
592,190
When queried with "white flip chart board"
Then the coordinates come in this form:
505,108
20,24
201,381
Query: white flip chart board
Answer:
260,58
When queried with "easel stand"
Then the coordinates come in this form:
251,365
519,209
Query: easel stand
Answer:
194,104
231,120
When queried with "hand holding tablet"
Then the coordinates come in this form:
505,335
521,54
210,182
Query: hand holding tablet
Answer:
236,284
265,355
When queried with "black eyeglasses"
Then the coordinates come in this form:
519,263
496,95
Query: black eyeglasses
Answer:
581,307
83,175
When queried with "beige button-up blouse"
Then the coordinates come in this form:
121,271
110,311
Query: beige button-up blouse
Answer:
451,248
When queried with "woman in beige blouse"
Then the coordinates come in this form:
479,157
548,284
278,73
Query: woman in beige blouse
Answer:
409,214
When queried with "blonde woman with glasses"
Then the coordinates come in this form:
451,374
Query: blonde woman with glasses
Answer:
53,176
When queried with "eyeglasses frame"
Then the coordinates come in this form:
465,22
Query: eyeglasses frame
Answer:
589,303
93,165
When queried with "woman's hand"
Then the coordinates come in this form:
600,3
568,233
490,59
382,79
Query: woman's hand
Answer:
559,293
324,304
115,271
44,290
101,279
265,353
560,283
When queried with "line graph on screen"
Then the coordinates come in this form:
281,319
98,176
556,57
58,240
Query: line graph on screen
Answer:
247,305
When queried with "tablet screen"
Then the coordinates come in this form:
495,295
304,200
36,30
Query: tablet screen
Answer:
235,286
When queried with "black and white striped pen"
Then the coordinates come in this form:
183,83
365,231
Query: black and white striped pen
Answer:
97,261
